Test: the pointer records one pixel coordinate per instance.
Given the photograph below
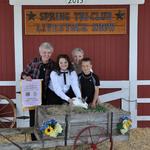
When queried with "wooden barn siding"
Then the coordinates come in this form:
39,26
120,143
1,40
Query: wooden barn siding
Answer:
143,124
144,59
144,41
7,64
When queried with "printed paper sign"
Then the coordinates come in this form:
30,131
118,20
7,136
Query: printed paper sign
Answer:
31,93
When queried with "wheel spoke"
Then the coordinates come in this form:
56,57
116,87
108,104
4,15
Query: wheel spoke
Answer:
7,112
1,114
4,125
3,107
90,135
8,120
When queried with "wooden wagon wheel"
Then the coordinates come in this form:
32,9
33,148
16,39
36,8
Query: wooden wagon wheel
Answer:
7,112
93,138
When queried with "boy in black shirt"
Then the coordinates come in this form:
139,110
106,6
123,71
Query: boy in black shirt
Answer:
89,83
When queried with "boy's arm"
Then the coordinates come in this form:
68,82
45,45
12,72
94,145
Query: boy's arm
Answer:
96,94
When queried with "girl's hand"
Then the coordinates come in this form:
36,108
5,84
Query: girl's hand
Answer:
70,101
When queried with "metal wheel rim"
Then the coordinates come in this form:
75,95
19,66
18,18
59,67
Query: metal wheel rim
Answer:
13,111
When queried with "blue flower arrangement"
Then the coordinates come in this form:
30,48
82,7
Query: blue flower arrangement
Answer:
124,124
51,128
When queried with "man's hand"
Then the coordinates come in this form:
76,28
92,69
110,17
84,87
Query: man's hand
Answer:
28,78
93,104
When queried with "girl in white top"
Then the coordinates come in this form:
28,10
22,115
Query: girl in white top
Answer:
63,84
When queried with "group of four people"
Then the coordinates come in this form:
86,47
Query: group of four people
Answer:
63,79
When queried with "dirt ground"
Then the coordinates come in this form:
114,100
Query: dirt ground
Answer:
139,139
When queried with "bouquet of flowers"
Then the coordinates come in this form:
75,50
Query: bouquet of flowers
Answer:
51,128
124,124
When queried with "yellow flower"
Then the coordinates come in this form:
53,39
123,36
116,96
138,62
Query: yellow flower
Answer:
48,131
58,128
127,124
123,131
53,134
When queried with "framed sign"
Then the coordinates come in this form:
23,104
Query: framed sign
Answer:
75,21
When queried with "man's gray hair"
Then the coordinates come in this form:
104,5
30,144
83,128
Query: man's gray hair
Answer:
77,50
46,45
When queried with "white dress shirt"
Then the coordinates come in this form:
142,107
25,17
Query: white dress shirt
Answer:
57,84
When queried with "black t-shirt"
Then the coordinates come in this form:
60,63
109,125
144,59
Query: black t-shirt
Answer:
87,85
